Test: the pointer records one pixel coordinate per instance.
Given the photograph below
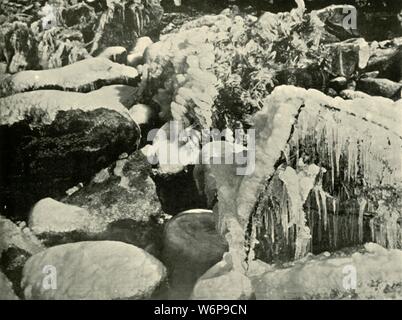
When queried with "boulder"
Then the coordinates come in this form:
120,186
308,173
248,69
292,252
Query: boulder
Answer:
13,236
385,58
115,54
351,94
135,56
191,246
52,140
222,282
17,244
93,270
50,217
6,289
82,76
123,203
380,87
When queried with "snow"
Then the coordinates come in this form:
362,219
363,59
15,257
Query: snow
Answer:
377,271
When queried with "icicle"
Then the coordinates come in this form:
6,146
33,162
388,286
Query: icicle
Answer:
372,230
338,148
362,206
298,187
323,196
318,201
285,217
335,218
331,144
272,223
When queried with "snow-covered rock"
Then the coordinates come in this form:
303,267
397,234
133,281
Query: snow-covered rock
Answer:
221,282
373,273
82,76
68,136
136,55
92,270
49,216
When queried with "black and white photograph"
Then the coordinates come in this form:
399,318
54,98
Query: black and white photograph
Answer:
200,151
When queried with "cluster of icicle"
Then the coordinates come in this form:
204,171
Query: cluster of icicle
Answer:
237,195
364,132
366,136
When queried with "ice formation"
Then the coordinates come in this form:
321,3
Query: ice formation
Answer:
183,62
353,143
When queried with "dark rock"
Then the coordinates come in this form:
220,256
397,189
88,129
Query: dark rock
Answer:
98,270
385,58
53,140
191,246
83,76
380,87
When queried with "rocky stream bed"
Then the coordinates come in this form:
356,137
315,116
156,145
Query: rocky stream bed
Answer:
86,214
